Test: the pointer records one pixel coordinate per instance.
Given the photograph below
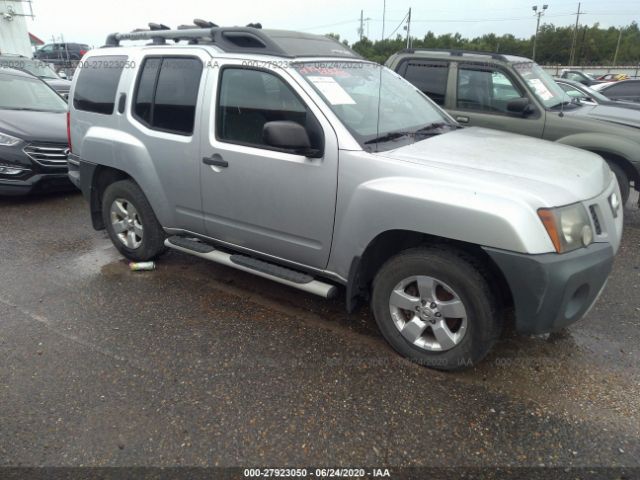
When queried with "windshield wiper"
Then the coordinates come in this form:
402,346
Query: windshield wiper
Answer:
431,128
562,104
388,137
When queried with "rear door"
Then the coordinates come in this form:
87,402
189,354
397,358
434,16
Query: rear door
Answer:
266,200
481,96
163,113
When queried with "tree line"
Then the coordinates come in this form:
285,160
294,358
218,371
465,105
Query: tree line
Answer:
594,45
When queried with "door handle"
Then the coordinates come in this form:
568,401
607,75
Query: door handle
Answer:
215,160
121,102
462,119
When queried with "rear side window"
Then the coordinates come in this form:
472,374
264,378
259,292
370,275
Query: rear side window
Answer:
146,89
429,77
167,93
97,84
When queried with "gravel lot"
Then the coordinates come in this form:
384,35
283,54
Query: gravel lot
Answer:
197,364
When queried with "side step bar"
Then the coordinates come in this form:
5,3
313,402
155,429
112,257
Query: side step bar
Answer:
283,275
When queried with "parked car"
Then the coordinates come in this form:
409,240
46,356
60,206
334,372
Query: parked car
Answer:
625,90
580,76
514,94
61,52
33,136
38,68
613,77
297,161
589,96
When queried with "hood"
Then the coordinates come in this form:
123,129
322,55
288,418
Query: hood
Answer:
58,84
611,113
622,104
552,173
35,126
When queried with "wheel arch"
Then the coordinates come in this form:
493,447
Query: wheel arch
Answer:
391,242
102,177
623,162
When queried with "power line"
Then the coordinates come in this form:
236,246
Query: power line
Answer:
399,25
480,20
345,22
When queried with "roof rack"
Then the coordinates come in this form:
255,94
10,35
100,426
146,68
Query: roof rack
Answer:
250,39
454,52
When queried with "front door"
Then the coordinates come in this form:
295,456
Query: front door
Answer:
271,201
481,98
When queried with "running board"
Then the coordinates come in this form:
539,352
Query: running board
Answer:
277,273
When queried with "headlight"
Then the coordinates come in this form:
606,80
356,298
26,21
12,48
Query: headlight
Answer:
8,140
569,227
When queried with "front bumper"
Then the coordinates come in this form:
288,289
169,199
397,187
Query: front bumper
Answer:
551,291
42,169
38,183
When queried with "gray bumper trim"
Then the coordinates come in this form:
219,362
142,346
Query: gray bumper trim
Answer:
551,291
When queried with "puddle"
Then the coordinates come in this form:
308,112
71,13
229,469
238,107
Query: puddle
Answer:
101,259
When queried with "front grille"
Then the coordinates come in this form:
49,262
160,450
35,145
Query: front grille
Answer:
48,155
596,220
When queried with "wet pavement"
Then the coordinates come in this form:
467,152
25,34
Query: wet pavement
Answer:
198,364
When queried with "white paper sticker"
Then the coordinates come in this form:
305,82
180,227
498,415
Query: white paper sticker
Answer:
541,89
333,92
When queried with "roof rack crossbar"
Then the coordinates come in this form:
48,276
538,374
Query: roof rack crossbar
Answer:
456,52
229,39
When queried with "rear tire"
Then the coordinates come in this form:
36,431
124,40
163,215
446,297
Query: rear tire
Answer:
131,223
623,181
449,317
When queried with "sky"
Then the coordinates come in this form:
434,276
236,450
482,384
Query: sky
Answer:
89,21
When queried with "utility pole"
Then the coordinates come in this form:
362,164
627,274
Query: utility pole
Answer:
575,38
615,57
384,16
537,12
409,30
361,29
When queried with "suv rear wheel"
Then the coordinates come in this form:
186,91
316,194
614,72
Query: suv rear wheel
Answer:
131,223
435,307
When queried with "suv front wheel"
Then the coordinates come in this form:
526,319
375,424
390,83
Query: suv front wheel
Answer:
435,307
131,223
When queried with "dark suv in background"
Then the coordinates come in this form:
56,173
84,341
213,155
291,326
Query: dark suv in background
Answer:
40,69
61,52
33,135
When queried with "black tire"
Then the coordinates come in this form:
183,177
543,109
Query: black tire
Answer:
152,244
623,181
465,276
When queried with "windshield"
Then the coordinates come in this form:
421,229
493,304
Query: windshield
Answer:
22,93
34,67
542,84
380,109
40,69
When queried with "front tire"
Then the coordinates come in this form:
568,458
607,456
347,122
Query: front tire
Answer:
131,223
434,306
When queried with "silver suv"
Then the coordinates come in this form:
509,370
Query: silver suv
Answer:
286,155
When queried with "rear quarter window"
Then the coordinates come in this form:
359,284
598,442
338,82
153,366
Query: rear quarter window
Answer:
97,84
430,77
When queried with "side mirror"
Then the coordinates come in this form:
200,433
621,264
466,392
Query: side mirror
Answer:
520,105
289,135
